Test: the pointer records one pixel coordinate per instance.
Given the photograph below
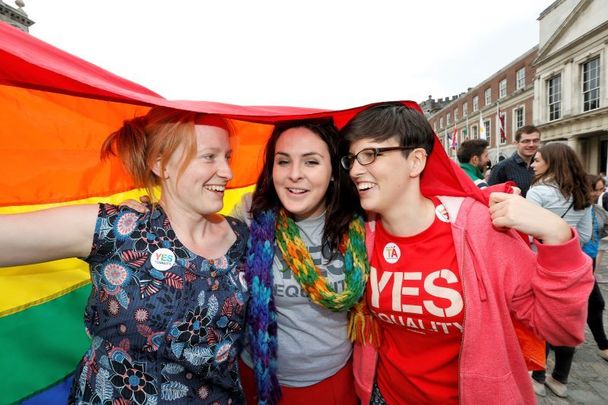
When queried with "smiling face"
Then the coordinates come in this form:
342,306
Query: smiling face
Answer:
301,172
199,185
598,188
384,181
528,145
482,160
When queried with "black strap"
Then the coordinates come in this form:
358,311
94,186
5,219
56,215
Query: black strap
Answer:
564,214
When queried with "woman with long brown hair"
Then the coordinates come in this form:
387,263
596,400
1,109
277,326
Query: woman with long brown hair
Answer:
560,185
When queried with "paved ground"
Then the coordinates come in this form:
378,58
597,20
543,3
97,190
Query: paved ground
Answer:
588,382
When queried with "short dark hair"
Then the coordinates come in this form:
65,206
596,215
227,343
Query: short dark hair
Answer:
341,199
387,120
468,149
526,129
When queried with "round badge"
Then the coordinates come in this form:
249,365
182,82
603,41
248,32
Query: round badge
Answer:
162,259
392,253
442,213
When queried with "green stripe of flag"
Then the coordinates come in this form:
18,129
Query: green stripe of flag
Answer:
42,345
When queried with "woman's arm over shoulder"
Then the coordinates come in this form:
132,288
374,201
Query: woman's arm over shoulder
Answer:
242,208
548,291
51,234
552,300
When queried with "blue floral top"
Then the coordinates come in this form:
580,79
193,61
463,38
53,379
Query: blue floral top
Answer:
165,323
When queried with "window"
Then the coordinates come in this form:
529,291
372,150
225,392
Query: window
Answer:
502,88
456,115
554,93
435,126
518,117
448,119
488,96
474,132
440,122
475,103
520,77
465,109
591,84
487,128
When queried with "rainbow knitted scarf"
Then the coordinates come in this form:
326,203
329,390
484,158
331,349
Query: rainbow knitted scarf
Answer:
261,311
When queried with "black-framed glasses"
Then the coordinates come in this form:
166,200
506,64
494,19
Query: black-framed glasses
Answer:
535,141
367,156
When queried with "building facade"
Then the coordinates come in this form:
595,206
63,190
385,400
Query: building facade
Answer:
559,86
507,94
430,106
570,98
15,16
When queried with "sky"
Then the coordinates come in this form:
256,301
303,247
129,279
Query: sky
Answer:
326,54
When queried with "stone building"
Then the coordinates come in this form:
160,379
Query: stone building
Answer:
559,86
15,16
570,97
430,106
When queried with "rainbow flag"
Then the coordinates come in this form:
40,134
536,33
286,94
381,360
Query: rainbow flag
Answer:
56,110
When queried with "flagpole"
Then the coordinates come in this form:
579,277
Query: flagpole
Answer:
498,130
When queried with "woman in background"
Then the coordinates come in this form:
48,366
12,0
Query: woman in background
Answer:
597,304
560,185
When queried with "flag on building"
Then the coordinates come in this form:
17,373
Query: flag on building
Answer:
482,128
454,143
500,126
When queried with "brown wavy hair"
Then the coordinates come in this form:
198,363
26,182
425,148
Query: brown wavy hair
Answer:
565,169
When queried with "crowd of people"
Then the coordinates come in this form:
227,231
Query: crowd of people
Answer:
356,272
552,176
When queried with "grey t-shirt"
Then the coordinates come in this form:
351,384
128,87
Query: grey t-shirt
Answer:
313,342
548,196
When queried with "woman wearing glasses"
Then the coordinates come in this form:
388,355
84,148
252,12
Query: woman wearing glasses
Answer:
306,269
444,282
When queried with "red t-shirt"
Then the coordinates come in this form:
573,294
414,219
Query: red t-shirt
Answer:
416,292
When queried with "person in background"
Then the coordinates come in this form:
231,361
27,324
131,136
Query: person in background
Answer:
517,167
167,305
447,273
601,202
597,304
560,185
474,158
487,173
307,268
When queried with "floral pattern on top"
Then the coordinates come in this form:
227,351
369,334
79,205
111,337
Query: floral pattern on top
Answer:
165,324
